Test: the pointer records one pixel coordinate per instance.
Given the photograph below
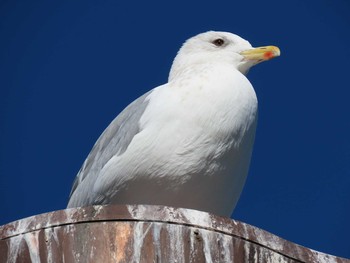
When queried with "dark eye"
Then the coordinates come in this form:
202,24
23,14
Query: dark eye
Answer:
218,42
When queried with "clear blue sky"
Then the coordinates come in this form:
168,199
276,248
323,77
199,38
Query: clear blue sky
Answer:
67,68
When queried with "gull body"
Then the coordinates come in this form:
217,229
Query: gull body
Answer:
187,143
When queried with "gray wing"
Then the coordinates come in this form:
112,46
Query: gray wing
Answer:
114,140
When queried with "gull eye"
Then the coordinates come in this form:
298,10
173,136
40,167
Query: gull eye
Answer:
218,42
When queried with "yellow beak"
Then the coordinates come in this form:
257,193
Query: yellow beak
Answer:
261,53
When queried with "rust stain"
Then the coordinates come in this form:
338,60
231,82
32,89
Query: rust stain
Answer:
123,236
145,234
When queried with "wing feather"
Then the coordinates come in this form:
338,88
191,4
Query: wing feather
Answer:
113,141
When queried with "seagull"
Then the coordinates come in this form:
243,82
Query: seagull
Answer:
187,143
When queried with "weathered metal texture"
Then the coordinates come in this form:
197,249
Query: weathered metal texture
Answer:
143,233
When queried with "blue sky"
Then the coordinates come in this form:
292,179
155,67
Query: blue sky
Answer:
67,68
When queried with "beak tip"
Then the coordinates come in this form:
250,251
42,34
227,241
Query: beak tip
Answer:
276,51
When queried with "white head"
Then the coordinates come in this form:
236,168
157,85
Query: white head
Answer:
223,47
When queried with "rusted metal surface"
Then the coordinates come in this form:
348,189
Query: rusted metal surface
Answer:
142,233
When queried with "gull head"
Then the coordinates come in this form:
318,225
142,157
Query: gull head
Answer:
220,47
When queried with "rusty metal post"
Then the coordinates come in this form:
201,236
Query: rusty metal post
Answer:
140,233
